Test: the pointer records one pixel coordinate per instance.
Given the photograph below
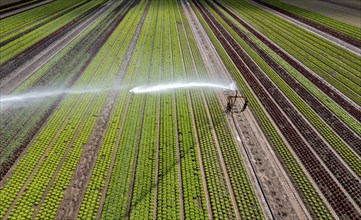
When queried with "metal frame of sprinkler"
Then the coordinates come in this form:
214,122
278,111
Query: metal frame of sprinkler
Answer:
231,101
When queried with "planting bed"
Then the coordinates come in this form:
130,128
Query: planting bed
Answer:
89,148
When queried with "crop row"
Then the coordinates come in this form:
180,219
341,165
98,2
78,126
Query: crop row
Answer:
97,184
218,191
289,132
193,193
29,18
298,176
334,27
25,122
44,139
354,111
281,80
20,44
242,188
329,61
119,194
16,5
336,167
15,32
168,178
54,196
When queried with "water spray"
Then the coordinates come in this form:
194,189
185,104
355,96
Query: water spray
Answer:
34,95
42,94
180,85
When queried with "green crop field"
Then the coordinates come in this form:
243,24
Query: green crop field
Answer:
178,109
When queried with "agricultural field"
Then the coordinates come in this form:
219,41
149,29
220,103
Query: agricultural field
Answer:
178,109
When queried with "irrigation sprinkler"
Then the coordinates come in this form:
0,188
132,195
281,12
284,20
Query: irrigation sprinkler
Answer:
231,101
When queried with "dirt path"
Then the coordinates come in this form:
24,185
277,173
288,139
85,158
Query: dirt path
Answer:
15,78
11,13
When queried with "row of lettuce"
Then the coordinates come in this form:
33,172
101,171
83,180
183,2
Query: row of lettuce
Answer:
337,25
21,31
137,172
334,140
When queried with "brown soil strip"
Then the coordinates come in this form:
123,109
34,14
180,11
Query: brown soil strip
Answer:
317,171
6,14
104,192
36,209
334,94
314,24
74,193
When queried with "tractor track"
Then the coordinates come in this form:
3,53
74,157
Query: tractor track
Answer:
318,172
